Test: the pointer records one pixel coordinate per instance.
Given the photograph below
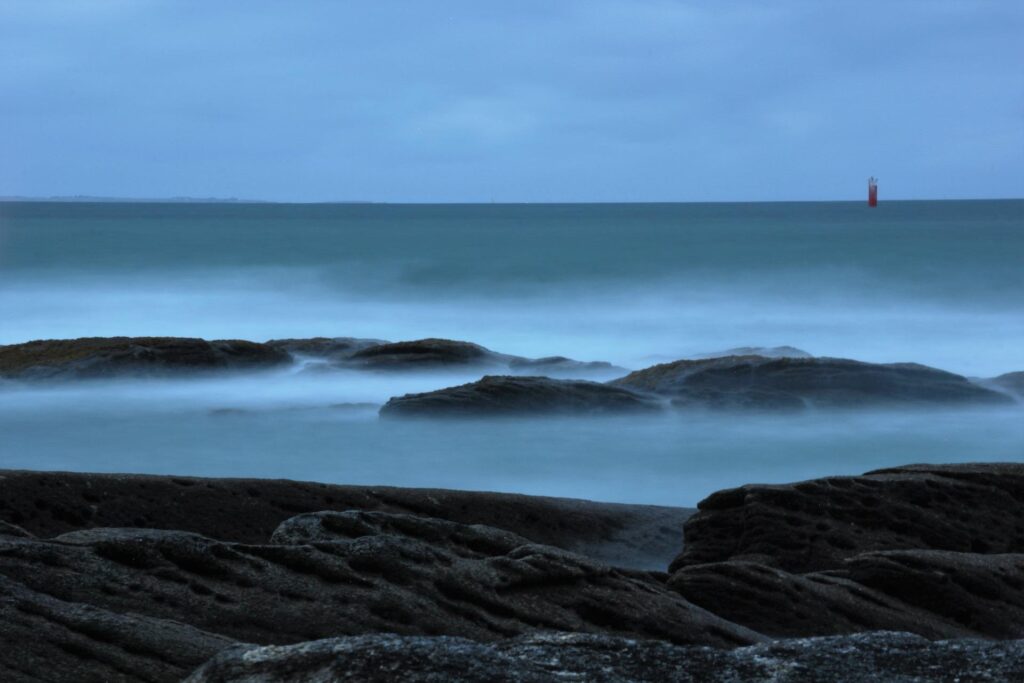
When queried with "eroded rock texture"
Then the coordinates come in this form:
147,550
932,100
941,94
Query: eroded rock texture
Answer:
509,395
934,550
99,357
756,382
544,658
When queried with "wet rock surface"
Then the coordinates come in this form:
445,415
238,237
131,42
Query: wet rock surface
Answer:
756,382
99,357
513,395
47,504
865,658
933,550
815,525
912,573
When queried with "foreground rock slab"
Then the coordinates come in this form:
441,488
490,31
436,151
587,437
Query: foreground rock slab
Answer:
933,550
865,658
48,639
46,504
756,382
510,395
815,525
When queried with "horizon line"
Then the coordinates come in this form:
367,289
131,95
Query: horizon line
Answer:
183,199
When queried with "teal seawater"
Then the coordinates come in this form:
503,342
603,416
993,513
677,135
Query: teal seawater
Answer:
935,282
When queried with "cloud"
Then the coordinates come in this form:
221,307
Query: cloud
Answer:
600,100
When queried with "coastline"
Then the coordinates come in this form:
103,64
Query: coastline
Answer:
161,574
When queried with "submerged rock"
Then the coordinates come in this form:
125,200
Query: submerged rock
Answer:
515,395
541,658
794,383
98,357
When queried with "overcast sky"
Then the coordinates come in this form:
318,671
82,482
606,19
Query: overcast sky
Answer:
597,100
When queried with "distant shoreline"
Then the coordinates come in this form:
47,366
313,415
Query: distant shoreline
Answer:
84,199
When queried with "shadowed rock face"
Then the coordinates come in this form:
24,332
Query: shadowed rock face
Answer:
815,525
764,351
330,348
97,357
399,574
557,366
931,593
934,550
426,354
568,657
249,510
507,395
1011,381
50,639
112,604
795,383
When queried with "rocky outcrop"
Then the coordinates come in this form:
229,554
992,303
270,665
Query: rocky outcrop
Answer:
174,597
49,639
478,583
934,550
465,590
512,395
99,357
1011,381
426,354
538,658
763,351
47,504
755,382
815,525
327,348
560,366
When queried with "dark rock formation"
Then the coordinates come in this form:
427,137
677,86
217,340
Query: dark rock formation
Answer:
7,529
97,357
49,639
815,525
509,395
930,593
425,354
437,354
934,550
764,351
1011,381
330,348
541,658
560,366
928,550
794,383
249,510
418,577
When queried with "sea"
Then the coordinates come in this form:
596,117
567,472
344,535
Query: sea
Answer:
933,282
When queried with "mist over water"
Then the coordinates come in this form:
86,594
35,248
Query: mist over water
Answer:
938,283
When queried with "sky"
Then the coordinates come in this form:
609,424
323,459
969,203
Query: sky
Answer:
527,101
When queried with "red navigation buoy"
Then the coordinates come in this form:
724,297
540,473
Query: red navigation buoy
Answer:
872,191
